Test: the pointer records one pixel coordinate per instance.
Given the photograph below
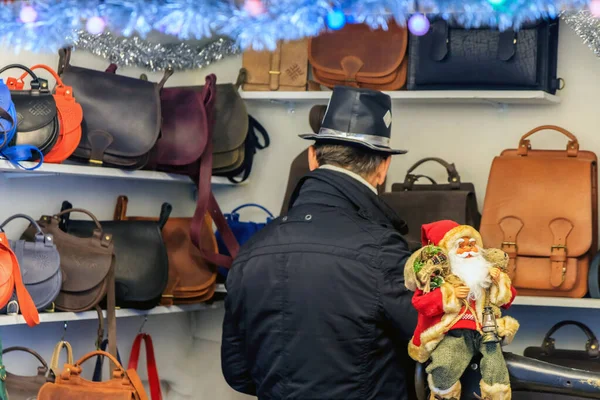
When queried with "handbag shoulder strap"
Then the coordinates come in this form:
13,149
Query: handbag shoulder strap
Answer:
252,143
206,199
153,379
97,377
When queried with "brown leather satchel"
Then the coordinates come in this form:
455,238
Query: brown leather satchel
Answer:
124,385
358,56
25,387
285,69
192,279
541,208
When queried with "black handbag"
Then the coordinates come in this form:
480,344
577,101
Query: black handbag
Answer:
141,262
422,204
587,359
121,115
452,57
38,124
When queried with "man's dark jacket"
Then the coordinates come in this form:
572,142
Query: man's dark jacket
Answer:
316,305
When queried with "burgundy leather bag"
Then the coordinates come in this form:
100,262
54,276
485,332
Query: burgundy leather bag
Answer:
186,147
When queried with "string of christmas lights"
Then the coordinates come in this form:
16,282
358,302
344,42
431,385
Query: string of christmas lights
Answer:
47,25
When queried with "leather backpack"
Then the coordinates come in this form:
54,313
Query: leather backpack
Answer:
191,277
541,208
25,387
70,385
353,56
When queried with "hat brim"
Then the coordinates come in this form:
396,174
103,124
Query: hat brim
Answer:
332,138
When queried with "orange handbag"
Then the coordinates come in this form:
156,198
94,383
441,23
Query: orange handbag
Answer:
70,385
70,115
10,279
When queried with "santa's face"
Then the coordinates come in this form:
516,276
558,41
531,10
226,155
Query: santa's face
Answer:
467,262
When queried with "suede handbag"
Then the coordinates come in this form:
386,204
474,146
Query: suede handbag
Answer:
39,263
25,387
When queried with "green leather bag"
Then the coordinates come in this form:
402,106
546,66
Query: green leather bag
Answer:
3,393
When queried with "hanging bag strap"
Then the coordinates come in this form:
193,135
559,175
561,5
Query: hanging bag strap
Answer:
153,379
97,377
206,199
54,367
26,304
252,143
253,205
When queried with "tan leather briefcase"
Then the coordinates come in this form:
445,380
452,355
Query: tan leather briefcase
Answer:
541,208
358,56
285,69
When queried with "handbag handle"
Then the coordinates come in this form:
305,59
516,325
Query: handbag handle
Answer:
572,146
35,82
52,72
252,205
453,176
153,379
27,217
80,210
95,353
591,346
41,370
54,369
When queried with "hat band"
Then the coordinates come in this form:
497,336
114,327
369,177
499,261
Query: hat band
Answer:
371,139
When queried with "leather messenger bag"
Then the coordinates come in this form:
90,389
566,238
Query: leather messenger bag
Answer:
25,387
353,57
541,208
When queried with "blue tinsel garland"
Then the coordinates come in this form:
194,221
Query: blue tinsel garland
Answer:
58,20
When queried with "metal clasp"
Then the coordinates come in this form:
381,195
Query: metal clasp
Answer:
15,305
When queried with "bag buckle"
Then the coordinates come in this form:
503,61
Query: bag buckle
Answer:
96,162
510,244
51,309
15,305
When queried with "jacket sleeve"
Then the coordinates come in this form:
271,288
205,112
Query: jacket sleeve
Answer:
395,298
233,347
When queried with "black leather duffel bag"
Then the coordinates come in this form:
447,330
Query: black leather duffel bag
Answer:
452,57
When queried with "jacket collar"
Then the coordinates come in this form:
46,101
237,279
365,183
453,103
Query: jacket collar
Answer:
338,189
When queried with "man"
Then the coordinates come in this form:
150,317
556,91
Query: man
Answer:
449,332
316,305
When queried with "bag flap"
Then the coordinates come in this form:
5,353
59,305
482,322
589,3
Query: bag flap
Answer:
106,100
286,66
141,263
183,123
538,190
34,112
38,262
355,51
231,124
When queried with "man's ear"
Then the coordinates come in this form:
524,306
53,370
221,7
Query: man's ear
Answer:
382,171
312,158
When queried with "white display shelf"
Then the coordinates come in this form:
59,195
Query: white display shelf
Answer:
422,96
533,301
8,170
8,320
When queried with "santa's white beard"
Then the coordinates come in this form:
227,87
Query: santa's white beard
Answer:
473,271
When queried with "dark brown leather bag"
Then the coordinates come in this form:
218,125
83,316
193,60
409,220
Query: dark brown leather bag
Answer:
192,279
358,56
70,385
25,387
422,204
541,208
587,359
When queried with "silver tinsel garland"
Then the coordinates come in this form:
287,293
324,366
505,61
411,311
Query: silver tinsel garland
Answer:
587,27
136,52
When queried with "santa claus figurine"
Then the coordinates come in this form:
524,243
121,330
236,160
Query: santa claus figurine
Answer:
458,294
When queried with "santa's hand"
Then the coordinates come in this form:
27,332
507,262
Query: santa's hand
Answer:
461,292
495,274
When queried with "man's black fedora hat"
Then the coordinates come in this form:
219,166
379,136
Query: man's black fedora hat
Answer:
358,116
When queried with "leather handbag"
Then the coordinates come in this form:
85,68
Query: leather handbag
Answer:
243,230
38,124
8,116
87,263
450,56
191,277
70,385
549,234
587,359
420,204
39,263
25,387
191,110
141,263
70,116
352,56
112,135
153,379
285,69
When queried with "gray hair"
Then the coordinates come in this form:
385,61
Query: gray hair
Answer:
353,158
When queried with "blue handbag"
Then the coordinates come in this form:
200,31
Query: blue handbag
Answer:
241,230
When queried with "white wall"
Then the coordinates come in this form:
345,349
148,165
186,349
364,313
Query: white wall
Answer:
470,136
